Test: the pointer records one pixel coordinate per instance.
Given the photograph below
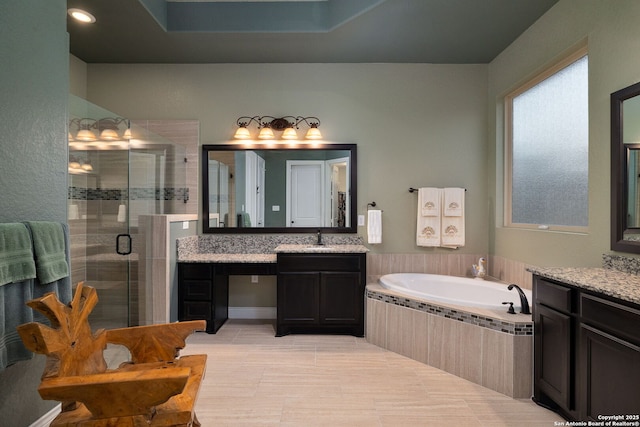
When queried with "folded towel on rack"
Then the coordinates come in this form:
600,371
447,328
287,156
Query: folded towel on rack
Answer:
453,227
50,250
428,231
453,201
16,254
374,226
429,201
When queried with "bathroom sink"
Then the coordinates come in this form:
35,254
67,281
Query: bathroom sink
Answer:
318,248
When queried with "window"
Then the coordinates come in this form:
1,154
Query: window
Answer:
547,146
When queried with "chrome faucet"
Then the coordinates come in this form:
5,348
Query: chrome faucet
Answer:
524,303
319,242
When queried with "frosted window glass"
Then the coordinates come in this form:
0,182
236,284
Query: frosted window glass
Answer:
550,150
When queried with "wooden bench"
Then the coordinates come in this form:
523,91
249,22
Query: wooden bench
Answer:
156,388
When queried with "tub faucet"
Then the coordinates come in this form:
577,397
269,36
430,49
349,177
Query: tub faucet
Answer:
524,303
319,242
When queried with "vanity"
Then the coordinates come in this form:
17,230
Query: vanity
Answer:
320,288
587,342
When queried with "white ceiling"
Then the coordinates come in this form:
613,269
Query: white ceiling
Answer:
377,31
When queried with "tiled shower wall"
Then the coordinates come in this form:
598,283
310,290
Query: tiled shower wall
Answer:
93,257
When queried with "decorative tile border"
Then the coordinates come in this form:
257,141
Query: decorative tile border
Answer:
522,328
78,193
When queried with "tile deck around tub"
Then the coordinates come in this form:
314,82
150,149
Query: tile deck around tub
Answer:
522,325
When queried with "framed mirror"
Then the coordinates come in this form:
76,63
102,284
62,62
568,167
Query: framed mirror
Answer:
625,169
267,188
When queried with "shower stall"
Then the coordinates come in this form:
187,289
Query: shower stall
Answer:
114,177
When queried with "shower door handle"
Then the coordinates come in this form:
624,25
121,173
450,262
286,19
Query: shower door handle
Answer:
127,250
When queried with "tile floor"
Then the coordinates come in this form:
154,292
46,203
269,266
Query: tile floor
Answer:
253,379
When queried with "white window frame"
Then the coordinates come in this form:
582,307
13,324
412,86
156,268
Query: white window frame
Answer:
508,144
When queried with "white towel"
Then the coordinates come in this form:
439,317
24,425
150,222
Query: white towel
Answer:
453,233
453,201
428,227
374,226
429,201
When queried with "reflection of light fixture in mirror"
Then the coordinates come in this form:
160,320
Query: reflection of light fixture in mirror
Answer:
266,126
81,15
108,129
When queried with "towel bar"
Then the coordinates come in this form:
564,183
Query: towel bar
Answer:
414,190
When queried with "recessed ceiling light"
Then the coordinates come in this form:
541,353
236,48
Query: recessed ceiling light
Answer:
82,15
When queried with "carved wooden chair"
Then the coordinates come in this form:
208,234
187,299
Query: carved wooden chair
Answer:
156,388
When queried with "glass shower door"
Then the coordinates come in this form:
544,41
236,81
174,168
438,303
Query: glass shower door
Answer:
111,183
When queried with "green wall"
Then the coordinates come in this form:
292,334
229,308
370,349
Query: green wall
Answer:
415,124
613,35
34,86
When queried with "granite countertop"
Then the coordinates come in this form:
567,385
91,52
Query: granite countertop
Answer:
335,249
228,258
614,283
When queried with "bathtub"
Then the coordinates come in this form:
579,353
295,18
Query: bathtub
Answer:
460,291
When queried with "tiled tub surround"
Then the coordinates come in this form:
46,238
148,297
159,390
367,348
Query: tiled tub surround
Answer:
490,348
257,248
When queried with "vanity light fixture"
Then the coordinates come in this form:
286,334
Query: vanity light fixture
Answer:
81,15
286,124
106,129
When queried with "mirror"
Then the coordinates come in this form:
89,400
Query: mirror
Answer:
625,169
260,188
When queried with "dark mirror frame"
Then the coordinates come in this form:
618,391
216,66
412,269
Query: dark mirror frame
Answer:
619,172
353,196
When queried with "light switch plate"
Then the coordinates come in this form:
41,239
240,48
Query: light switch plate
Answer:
185,225
360,220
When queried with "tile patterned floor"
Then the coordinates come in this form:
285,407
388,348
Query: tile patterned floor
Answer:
255,379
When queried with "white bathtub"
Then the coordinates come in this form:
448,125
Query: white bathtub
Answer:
460,291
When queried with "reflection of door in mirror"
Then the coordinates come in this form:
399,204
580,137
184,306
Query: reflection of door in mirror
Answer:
631,139
221,186
305,189
339,188
633,206
252,212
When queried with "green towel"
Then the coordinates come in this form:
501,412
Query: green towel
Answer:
49,248
16,255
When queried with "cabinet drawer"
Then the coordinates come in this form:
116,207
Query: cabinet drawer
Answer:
196,290
319,262
609,316
195,271
196,310
555,296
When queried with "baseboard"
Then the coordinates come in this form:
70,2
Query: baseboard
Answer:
252,312
47,418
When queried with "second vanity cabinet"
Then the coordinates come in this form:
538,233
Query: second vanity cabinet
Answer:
321,292
586,351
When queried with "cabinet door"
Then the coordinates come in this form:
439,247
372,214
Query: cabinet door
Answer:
298,298
340,298
553,356
610,369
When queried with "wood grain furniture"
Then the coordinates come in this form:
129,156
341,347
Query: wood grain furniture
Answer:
586,351
156,388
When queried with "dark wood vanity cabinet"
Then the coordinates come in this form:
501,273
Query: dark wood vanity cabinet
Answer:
586,351
321,293
203,294
554,343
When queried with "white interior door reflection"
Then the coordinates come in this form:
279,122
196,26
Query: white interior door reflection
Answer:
305,193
